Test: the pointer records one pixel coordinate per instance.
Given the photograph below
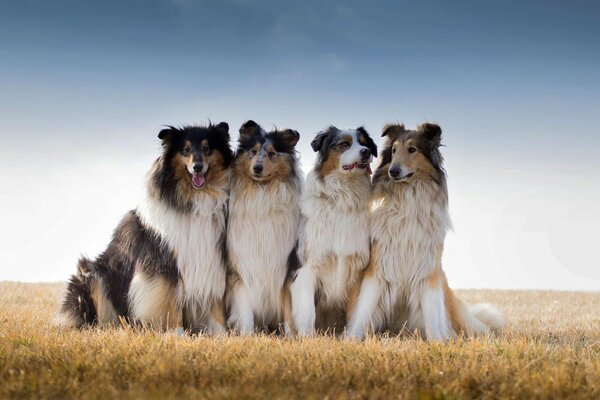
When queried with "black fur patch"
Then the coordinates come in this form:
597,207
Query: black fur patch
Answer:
133,248
284,141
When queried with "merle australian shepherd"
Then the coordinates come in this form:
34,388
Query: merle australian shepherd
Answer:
165,265
404,286
263,227
334,239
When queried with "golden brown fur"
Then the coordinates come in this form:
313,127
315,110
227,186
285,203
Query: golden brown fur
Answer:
409,222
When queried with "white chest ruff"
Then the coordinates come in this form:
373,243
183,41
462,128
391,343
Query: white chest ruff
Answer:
336,233
409,233
262,231
194,240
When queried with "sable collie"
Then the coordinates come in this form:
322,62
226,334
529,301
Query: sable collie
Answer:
404,285
165,265
334,241
264,213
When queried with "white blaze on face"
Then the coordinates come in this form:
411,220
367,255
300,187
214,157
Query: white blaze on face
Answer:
352,155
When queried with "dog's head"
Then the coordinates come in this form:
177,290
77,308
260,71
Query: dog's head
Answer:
344,151
411,154
265,156
196,156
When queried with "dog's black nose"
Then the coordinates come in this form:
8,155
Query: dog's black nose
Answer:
258,168
365,152
395,172
197,167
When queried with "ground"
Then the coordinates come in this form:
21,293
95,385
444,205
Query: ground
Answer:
551,349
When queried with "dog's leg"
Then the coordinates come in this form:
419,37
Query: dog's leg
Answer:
152,302
288,320
242,313
303,301
216,319
362,314
433,308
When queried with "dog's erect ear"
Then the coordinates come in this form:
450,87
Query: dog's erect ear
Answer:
223,129
392,131
249,129
290,137
369,143
319,140
432,132
166,134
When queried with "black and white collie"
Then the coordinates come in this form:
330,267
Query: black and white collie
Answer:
404,286
334,241
264,214
165,265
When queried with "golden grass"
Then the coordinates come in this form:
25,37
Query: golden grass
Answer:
551,350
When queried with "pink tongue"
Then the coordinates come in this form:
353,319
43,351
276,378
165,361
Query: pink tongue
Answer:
198,180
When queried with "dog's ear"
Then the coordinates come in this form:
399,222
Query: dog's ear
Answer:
369,143
249,129
432,132
222,127
320,140
166,135
290,137
392,131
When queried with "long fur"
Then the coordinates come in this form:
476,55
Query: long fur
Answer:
334,239
165,265
404,286
263,227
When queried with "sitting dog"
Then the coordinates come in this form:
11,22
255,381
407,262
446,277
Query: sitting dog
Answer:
165,265
263,227
334,239
404,286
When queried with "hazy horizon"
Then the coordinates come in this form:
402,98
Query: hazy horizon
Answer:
515,86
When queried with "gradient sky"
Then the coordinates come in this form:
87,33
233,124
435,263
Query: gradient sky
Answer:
515,85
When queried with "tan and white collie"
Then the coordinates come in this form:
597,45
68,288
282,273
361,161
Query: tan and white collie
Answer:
334,239
165,265
264,214
404,286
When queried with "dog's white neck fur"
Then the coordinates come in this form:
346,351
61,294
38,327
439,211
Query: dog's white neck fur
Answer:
336,212
262,231
194,239
343,190
410,227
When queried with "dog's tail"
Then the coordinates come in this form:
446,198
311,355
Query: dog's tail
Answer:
77,308
479,319
488,315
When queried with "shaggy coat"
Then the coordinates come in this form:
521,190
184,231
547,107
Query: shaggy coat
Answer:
334,241
404,286
165,265
263,227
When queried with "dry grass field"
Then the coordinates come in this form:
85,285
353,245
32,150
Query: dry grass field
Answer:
550,350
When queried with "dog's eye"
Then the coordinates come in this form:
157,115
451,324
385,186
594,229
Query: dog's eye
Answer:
344,144
252,153
394,150
272,154
411,149
206,149
186,151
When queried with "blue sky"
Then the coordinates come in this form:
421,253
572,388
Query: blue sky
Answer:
85,87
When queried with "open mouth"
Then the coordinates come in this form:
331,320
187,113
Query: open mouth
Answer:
198,180
365,166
